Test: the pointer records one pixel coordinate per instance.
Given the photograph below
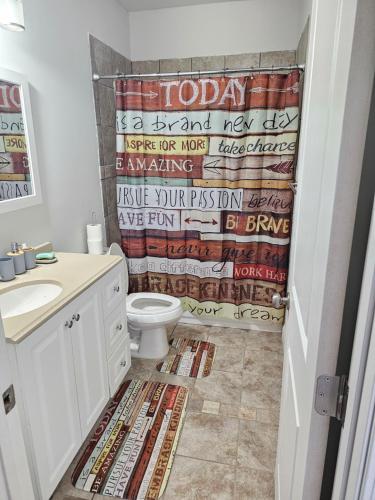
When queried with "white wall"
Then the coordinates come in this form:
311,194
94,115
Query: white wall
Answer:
54,54
216,29
305,12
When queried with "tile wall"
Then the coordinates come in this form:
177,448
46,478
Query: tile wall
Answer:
106,61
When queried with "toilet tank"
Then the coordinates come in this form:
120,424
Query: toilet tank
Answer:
115,249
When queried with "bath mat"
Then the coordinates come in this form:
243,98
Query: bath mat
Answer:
131,452
194,358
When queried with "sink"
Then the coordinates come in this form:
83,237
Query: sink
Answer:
26,298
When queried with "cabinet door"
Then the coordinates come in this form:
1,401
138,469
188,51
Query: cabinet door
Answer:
89,351
47,375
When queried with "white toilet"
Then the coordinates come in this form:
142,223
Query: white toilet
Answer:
148,316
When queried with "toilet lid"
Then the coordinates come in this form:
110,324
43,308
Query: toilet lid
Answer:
150,303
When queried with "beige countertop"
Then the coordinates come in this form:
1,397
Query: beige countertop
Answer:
73,271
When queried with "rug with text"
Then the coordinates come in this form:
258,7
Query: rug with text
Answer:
131,452
189,358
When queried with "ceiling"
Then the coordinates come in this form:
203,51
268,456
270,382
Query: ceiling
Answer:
134,5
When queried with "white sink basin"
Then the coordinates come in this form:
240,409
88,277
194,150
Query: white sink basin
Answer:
26,298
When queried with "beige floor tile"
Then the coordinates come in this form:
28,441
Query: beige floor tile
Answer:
268,415
257,445
197,332
141,369
224,387
238,411
193,479
246,413
253,484
268,341
263,364
259,391
195,405
229,410
209,437
211,407
228,359
227,337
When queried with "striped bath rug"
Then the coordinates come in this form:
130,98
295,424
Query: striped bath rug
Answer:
193,358
131,452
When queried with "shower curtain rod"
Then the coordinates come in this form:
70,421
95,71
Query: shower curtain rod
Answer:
300,67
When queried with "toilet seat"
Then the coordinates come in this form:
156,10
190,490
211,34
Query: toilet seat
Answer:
151,308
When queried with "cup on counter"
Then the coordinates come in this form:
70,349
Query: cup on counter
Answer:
30,260
7,271
19,262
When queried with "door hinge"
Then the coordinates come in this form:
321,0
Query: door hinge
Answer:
9,399
331,396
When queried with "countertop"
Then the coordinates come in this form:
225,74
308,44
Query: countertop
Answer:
73,271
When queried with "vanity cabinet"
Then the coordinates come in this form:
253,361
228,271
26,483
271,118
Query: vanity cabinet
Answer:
89,355
47,376
67,370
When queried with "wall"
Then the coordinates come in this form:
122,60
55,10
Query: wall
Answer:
105,60
54,55
215,29
305,9
250,59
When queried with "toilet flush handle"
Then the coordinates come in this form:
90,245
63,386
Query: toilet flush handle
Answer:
116,288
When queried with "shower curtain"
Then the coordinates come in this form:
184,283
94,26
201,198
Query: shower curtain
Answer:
204,168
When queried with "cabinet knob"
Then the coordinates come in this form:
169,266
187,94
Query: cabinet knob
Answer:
69,323
76,317
119,327
116,288
123,363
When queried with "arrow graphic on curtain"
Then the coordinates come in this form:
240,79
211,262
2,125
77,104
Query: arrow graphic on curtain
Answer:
4,162
189,220
149,94
258,90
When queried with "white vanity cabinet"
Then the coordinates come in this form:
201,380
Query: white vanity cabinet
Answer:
49,393
89,354
67,370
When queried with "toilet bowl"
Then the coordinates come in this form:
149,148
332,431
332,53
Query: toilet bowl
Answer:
148,316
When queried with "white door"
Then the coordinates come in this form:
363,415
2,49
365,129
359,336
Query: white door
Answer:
89,351
47,375
338,83
15,478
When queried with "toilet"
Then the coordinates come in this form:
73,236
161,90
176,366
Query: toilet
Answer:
148,316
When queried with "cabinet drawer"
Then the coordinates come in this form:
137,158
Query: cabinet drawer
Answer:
118,365
115,329
113,292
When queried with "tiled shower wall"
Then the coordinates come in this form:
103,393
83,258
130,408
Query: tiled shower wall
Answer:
106,61
235,61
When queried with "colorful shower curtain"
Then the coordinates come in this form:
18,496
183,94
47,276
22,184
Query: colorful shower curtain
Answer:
204,168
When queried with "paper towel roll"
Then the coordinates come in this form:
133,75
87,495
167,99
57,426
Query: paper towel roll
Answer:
94,232
95,247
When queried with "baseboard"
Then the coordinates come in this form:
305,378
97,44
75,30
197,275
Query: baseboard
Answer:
188,318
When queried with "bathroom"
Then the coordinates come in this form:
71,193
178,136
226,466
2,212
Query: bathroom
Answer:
249,257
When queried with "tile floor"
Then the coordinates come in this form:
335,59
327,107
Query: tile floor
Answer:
228,444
